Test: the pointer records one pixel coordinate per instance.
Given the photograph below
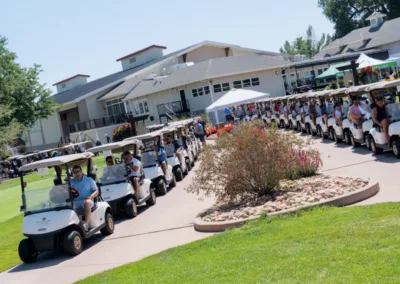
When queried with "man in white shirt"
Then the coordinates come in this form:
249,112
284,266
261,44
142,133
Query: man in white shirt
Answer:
134,169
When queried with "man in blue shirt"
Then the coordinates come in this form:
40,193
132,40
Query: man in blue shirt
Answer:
87,189
228,114
199,131
161,156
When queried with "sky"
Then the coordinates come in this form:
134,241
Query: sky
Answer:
87,36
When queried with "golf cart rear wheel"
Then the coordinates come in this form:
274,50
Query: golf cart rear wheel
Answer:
109,228
173,182
367,142
347,138
178,174
188,165
374,149
152,200
27,251
130,208
72,242
161,187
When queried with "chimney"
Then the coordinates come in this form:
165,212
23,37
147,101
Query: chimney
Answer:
71,82
142,56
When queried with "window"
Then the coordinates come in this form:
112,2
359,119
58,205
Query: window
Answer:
320,71
255,82
237,84
206,90
200,91
226,87
246,83
115,107
217,88
141,107
132,60
63,86
194,93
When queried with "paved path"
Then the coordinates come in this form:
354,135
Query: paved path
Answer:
169,223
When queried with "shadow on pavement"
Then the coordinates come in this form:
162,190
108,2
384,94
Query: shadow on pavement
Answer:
361,151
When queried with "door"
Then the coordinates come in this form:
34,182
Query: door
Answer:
183,100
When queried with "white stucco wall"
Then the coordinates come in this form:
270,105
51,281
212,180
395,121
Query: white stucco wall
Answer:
394,48
142,58
51,129
95,108
78,81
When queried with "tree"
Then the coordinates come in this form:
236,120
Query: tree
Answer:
21,93
8,133
348,15
307,45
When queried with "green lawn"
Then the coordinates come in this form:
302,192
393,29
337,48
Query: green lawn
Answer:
324,245
11,218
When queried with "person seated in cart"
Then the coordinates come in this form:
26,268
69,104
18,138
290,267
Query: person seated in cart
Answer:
379,116
160,156
337,113
355,112
304,111
87,189
111,172
313,111
176,147
134,169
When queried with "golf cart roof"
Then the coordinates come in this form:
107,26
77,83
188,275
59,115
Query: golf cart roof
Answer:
116,147
155,127
73,145
336,92
48,150
14,157
167,129
384,85
57,161
361,88
322,93
145,136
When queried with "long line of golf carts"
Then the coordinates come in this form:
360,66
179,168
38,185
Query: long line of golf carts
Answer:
336,124
51,221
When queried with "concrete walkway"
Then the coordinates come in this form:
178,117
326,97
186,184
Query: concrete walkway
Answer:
169,223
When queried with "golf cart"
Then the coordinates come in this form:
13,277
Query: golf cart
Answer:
359,132
321,98
301,112
340,132
116,188
187,150
283,116
389,91
50,220
269,117
152,168
292,101
179,168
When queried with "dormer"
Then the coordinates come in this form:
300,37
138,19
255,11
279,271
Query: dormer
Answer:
141,56
71,82
376,19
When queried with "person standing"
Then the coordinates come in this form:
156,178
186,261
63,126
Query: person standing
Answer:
228,114
199,130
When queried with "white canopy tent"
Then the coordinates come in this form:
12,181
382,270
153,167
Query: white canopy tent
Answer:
236,97
365,61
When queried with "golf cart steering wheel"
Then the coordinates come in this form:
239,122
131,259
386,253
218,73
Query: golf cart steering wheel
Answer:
75,193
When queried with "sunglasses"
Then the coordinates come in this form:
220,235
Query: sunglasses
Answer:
109,162
77,172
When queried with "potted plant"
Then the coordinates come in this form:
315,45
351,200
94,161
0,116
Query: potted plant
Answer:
122,132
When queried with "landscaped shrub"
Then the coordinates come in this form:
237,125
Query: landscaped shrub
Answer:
252,162
122,132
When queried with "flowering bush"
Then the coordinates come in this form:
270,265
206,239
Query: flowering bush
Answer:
368,75
252,162
122,132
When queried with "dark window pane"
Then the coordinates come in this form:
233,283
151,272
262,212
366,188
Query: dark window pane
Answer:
246,83
200,91
194,93
217,88
146,107
237,84
226,87
255,81
206,90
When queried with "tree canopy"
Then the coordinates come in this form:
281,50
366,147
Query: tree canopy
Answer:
348,15
307,44
23,100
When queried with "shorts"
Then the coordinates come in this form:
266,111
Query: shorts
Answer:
201,137
80,204
161,159
229,117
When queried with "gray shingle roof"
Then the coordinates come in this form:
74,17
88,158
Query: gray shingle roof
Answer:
386,33
213,68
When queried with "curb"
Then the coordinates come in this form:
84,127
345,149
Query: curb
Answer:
364,193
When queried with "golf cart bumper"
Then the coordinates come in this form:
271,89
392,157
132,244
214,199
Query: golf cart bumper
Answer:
46,242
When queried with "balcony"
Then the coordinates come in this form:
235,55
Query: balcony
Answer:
99,122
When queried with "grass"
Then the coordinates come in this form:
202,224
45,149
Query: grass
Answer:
324,245
11,218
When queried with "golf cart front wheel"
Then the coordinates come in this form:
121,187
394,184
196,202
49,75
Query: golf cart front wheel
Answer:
27,251
109,228
72,242
188,165
178,174
161,187
152,200
173,182
374,148
130,208
353,141
396,148
347,138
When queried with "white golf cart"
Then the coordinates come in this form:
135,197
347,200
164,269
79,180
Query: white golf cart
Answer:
186,149
389,91
340,132
322,127
116,187
292,101
150,162
301,112
179,168
359,132
283,116
270,117
50,220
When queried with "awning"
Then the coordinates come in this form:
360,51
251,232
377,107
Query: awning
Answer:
365,61
332,71
236,97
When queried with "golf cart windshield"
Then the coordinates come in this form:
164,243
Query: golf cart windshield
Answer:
393,112
169,150
149,159
112,174
47,193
